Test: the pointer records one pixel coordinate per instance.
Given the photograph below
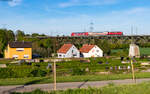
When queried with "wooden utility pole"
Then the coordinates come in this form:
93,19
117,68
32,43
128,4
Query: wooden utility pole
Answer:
133,74
54,75
54,69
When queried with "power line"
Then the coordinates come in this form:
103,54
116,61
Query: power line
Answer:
91,26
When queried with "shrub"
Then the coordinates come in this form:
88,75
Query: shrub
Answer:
78,71
38,73
6,73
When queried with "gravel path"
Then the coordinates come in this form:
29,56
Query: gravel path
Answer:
64,86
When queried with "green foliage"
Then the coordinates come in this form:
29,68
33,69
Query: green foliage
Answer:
38,73
78,71
71,68
104,45
13,73
76,78
35,34
5,37
21,71
46,46
20,35
38,91
10,35
43,47
3,40
111,84
6,73
124,52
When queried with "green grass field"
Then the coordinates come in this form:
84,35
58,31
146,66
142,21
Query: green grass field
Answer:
142,51
143,88
77,78
145,51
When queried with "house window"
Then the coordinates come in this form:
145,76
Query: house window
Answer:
26,56
97,50
19,49
74,54
72,51
64,55
59,55
15,56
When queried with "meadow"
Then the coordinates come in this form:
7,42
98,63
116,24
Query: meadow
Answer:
143,51
76,78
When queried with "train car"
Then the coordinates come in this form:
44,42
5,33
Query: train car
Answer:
115,33
98,33
80,34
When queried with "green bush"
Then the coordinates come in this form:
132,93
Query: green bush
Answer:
78,71
38,73
6,73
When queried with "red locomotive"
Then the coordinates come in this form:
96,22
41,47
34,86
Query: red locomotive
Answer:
97,34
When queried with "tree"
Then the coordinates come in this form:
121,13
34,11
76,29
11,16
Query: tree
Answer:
20,35
10,35
105,46
3,40
35,34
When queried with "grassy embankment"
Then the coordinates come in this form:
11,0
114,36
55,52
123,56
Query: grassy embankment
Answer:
42,80
142,88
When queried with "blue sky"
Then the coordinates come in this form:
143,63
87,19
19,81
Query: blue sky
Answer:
66,16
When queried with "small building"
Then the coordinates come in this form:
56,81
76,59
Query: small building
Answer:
88,51
68,51
134,50
18,50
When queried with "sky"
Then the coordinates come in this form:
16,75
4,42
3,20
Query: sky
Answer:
62,17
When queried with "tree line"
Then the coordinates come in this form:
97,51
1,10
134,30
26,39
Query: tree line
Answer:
46,46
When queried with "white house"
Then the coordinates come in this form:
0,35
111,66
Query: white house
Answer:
68,51
91,51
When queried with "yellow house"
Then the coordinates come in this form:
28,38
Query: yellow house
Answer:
18,50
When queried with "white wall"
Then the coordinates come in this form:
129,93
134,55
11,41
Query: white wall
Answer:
71,52
94,52
61,55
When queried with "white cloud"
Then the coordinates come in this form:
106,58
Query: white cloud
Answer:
137,10
52,10
86,3
14,3
133,11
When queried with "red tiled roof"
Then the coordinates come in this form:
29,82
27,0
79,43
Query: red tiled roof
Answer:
86,48
64,48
